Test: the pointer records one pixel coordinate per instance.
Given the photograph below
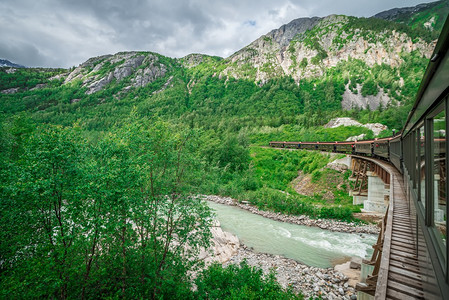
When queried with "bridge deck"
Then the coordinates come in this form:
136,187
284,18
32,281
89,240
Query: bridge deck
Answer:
399,275
404,276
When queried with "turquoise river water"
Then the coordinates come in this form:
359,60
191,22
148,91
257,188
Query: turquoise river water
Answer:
310,245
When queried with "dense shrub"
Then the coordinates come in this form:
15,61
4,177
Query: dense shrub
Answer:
239,282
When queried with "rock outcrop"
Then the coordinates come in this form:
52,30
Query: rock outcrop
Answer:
358,101
376,128
224,246
96,73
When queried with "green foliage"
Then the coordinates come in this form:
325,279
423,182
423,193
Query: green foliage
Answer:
95,190
101,220
303,64
277,201
437,11
239,282
369,88
316,175
28,78
277,168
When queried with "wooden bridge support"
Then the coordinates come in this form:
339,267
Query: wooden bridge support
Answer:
359,169
371,185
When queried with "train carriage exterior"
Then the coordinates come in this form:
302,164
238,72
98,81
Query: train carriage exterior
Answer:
277,144
326,146
344,147
294,145
364,147
396,151
309,145
381,148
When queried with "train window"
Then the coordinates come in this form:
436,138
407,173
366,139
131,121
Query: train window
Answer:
439,178
421,166
416,146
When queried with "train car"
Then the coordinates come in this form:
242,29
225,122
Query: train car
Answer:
344,147
326,146
425,169
363,147
395,146
277,144
381,148
294,145
309,145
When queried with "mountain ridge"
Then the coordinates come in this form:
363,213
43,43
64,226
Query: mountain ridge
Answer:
395,13
8,64
310,69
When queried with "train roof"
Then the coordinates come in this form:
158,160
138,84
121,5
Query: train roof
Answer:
434,83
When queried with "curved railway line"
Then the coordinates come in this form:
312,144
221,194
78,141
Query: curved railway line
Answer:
411,258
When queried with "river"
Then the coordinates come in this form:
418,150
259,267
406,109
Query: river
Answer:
310,245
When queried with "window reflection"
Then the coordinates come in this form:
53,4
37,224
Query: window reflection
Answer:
439,176
422,166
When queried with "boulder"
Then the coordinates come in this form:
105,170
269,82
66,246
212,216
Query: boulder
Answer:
355,263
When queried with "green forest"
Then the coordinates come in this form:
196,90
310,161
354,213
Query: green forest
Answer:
100,191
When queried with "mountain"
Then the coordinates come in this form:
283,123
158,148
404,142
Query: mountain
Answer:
305,72
397,14
7,63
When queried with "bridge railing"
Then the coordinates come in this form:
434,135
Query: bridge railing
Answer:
376,283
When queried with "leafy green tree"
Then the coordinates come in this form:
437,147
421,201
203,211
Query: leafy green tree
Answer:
41,208
239,282
115,219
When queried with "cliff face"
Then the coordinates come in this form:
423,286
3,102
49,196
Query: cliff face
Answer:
311,46
140,68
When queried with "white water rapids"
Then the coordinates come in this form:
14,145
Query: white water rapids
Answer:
310,245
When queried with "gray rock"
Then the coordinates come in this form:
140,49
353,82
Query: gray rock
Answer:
284,34
39,86
351,100
11,71
98,85
122,72
355,263
10,91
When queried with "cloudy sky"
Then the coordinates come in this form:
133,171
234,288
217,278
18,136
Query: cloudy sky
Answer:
65,33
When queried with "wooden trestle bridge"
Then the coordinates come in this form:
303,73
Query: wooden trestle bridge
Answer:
396,273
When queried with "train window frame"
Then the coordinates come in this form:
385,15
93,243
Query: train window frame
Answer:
442,251
415,159
421,131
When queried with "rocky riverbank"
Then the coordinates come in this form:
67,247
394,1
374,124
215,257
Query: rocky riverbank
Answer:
310,281
327,224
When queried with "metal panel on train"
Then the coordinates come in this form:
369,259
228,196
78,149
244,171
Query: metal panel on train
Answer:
396,152
380,148
364,147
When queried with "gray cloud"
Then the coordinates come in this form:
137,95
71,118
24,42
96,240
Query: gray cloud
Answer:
65,33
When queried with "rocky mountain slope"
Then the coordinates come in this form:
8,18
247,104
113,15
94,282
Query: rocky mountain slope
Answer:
140,68
319,44
311,67
303,49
